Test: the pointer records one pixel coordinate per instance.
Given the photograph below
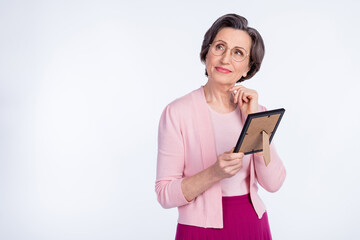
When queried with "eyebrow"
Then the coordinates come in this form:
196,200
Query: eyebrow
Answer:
227,44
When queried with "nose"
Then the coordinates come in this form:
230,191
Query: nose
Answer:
226,57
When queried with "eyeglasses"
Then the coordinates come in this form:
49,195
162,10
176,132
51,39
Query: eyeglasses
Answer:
238,54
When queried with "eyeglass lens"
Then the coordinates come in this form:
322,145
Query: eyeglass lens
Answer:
237,53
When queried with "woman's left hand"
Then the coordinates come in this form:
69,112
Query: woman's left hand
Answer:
247,98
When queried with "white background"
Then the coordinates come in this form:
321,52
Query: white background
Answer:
83,84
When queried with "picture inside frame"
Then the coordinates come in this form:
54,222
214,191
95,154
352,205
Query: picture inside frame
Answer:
251,137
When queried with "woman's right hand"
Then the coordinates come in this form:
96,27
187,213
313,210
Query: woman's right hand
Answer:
228,164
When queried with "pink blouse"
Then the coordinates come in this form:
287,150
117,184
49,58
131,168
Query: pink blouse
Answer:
227,128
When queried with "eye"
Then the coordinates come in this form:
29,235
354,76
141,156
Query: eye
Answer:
220,47
239,52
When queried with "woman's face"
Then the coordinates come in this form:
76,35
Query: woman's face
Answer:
224,69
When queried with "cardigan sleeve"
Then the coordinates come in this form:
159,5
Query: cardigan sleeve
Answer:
270,177
170,160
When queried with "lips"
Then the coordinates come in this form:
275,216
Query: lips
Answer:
222,70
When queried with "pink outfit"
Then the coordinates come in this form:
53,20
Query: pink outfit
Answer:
186,146
227,128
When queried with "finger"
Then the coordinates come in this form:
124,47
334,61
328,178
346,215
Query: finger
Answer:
236,97
251,95
234,169
231,156
233,93
235,155
238,154
228,165
237,167
247,97
236,162
241,98
238,89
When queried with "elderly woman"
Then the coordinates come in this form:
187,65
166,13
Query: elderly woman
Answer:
215,189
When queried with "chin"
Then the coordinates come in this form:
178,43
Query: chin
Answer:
226,81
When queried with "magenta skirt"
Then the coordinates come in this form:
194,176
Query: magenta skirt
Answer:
240,222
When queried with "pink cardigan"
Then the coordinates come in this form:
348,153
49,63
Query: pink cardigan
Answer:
186,146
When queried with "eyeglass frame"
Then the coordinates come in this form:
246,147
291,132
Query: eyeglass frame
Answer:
231,53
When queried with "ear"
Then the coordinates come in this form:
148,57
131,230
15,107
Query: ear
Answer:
245,73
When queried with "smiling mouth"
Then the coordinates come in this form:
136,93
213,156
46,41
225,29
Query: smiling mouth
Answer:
222,70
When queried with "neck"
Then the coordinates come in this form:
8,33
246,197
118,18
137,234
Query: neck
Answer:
219,97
